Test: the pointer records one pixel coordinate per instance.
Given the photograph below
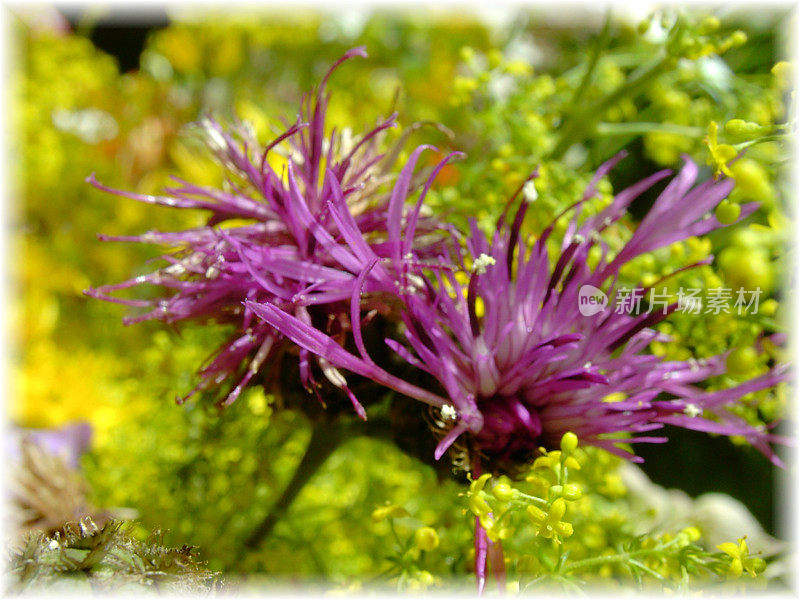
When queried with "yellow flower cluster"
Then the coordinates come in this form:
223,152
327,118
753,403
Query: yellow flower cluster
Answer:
546,510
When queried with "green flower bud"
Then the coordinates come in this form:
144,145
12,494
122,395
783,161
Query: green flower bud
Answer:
741,127
571,492
738,38
742,360
783,73
503,492
388,512
749,268
495,58
727,212
569,442
769,307
467,53
757,565
752,180
709,25
746,238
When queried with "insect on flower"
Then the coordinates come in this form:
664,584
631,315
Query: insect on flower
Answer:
494,321
517,362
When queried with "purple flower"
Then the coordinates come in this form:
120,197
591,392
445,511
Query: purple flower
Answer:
69,442
312,228
528,366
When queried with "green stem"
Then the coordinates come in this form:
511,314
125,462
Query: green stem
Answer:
326,437
622,129
646,569
593,60
596,561
578,127
778,137
396,537
324,440
532,498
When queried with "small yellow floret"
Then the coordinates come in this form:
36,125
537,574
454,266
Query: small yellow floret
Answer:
721,154
426,538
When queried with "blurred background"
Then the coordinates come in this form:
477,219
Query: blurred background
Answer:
110,92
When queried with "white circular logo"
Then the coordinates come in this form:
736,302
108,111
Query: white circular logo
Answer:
591,300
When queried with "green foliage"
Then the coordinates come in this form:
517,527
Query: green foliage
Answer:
93,559
514,98
569,526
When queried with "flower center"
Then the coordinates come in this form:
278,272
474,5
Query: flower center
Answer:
510,429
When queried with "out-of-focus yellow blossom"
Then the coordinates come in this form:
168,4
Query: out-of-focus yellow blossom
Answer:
391,511
748,268
666,148
55,386
181,48
752,181
741,127
426,538
783,72
727,212
741,361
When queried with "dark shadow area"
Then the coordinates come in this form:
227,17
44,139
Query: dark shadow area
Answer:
698,463
629,172
121,32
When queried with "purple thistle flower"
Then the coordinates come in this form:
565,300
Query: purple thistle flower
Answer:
531,367
314,226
